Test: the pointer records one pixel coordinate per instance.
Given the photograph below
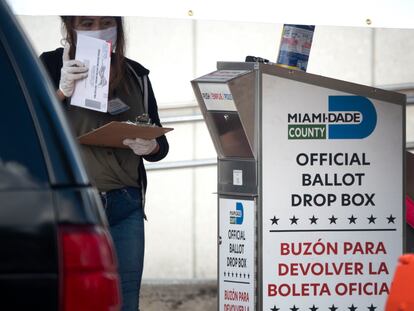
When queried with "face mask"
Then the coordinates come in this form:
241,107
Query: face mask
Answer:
108,34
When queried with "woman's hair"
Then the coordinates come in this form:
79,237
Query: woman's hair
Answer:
117,59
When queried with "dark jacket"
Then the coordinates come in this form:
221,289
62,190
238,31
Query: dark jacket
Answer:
53,63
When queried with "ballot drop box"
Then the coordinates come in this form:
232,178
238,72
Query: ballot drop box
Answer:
310,188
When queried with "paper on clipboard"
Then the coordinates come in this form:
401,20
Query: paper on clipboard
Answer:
92,92
113,134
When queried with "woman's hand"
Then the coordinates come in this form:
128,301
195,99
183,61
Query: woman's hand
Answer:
142,146
71,71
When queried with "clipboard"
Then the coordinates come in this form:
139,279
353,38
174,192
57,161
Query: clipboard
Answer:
112,134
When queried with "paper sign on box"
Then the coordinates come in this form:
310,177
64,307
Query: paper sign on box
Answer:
92,92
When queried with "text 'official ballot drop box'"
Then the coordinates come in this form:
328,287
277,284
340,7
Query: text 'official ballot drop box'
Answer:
310,188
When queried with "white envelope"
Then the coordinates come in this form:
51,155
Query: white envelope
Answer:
92,92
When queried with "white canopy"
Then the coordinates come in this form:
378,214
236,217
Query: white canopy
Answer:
359,13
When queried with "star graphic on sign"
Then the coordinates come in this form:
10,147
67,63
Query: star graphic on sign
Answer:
333,308
371,307
313,308
332,220
391,219
294,220
352,219
352,308
274,308
274,220
313,219
294,308
371,219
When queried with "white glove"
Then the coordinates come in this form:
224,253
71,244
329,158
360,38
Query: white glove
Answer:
71,71
141,146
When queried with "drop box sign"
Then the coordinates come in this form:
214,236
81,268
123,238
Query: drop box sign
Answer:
332,198
236,255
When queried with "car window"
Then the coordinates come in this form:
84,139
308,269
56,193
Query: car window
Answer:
21,160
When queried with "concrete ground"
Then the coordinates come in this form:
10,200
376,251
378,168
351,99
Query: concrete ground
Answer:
180,295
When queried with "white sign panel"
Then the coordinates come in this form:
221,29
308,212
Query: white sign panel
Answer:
332,198
92,92
236,255
217,96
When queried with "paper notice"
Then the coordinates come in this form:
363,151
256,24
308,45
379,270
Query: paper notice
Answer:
92,92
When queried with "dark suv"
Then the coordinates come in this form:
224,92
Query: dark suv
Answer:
55,250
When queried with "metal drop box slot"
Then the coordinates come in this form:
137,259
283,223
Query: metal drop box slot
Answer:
272,129
247,175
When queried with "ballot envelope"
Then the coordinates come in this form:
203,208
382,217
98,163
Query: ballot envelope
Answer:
92,91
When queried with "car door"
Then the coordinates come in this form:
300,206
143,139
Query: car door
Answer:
28,245
55,248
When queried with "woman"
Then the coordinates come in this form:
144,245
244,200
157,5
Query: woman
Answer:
119,174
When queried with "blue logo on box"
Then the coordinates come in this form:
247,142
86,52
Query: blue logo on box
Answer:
352,131
348,117
237,215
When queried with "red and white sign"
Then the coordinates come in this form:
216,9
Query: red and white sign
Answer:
332,208
217,96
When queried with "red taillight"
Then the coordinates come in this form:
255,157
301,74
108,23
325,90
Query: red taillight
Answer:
89,276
